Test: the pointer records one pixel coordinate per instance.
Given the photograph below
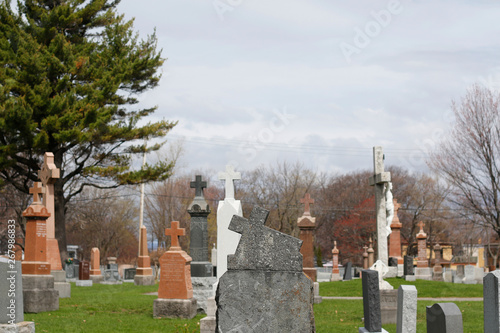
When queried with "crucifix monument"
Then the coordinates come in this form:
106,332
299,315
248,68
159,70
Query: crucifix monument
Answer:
380,180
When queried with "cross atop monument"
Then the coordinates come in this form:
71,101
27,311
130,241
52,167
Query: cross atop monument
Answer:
307,201
421,225
199,185
379,175
257,217
49,172
174,232
36,190
229,176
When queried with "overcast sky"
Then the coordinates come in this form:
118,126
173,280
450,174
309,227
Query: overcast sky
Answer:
253,82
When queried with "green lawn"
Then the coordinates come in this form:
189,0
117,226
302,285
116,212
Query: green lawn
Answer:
124,308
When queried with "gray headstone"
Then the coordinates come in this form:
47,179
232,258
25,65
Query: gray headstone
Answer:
444,318
491,292
470,275
11,292
461,271
129,273
348,271
264,288
407,309
408,266
393,262
371,301
70,271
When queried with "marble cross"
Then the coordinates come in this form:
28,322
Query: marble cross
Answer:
229,176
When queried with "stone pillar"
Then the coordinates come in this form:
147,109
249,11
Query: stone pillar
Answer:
395,239
307,225
38,284
335,263
371,254
371,302
407,309
144,273
95,265
437,274
422,271
365,257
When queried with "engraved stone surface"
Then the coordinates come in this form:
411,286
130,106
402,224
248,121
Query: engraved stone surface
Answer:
371,301
11,292
408,266
444,318
348,271
84,270
407,309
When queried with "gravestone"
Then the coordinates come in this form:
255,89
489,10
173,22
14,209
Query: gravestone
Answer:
365,257
491,306
264,288
335,263
371,302
111,273
448,276
479,274
39,294
395,240
129,273
407,309
444,318
470,277
409,271
371,253
348,271
95,266
11,298
144,273
84,275
422,272
437,270
175,292
70,270
460,275
307,225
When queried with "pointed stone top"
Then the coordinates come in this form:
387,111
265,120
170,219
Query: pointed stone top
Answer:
421,233
37,190
229,176
36,209
49,172
307,201
174,232
263,248
199,206
198,185
335,250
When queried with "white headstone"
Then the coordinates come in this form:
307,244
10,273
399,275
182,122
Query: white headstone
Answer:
407,309
382,270
470,274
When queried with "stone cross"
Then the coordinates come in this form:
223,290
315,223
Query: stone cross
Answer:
229,176
49,175
36,190
379,180
199,186
174,232
307,201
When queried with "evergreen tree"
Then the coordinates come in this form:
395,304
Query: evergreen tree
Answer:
70,75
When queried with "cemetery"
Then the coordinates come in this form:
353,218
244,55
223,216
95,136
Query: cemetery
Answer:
244,220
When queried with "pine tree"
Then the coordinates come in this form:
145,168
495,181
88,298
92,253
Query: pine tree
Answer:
70,75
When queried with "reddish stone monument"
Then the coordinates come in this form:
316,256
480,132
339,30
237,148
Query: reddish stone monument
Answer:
395,236
371,254
144,273
422,247
307,225
175,293
95,265
84,270
335,263
365,257
38,284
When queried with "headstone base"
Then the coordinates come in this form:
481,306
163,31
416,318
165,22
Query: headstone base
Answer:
393,272
39,293
410,278
423,273
335,277
22,327
364,330
317,298
96,278
469,281
389,306
111,282
458,278
174,308
401,270
144,280
208,324
203,290
84,283
60,284
201,269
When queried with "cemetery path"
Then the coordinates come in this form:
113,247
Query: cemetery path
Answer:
445,299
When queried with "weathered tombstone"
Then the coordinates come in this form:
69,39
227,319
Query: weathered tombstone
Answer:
48,175
144,273
264,273
444,318
448,276
380,180
70,270
395,240
407,309
38,285
335,263
129,273
84,275
409,272
348,272
307,225
11,298
175,292
460,274
469,275
422,272
491,294
111,273
371,302
371,254
317,298
76,269
437,270
365,257
95,266
479,274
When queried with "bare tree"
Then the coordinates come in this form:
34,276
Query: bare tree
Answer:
469,156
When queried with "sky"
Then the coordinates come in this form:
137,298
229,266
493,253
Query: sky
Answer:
319,82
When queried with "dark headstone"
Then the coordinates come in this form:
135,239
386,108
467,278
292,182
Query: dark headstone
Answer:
491,288
84,270
393,262
348,271
129,273
264,288
444,318
408,266
371,301
11,292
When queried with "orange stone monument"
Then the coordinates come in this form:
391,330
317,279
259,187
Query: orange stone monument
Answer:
365,257
371,254
175,293
422,271
144,273
395,238
95,265
38,284
307,225
335,263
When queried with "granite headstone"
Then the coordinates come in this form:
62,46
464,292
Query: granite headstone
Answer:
348,271
407,309
491,292
444,318
371,302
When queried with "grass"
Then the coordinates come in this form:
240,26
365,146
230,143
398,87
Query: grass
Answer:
125,308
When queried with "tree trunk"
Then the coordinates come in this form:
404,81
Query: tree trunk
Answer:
60,219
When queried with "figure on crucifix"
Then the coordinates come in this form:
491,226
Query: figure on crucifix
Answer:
389,207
